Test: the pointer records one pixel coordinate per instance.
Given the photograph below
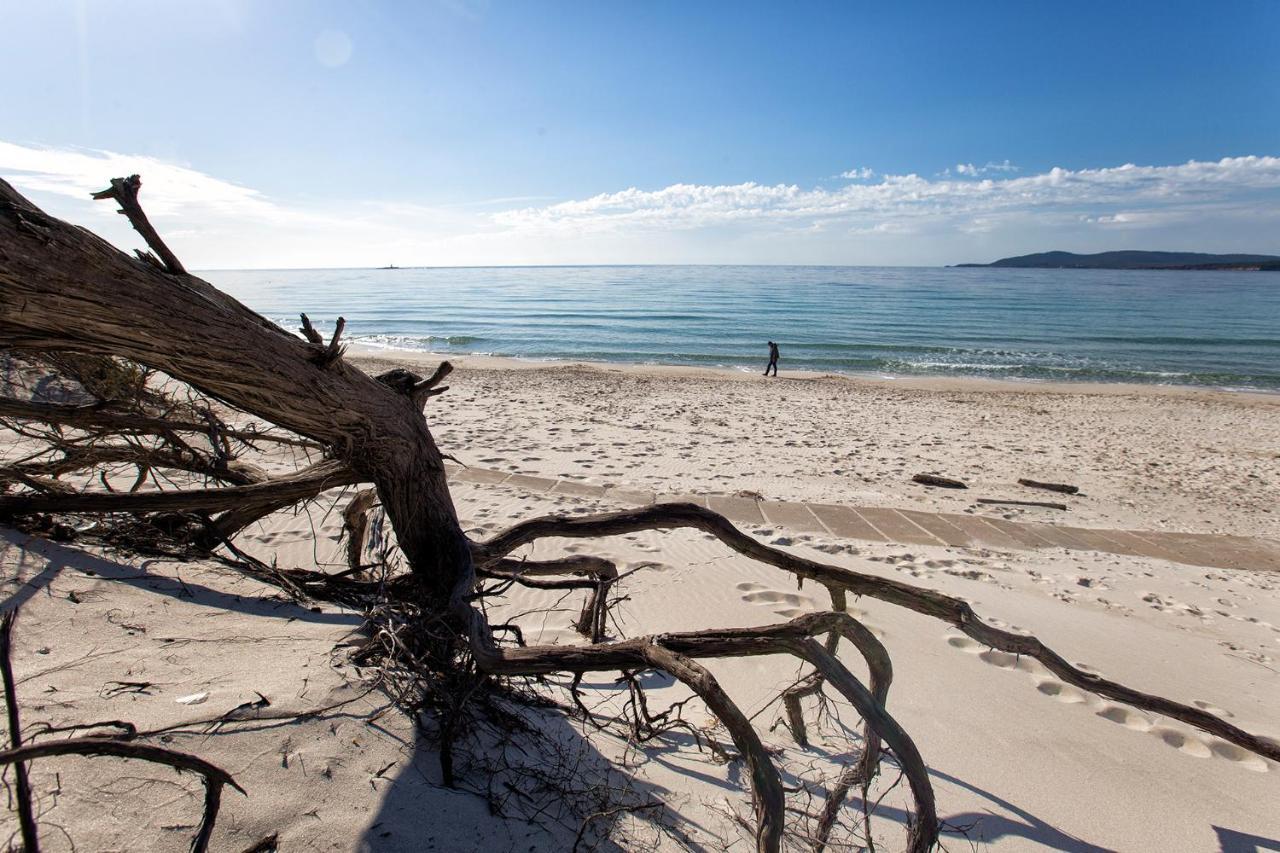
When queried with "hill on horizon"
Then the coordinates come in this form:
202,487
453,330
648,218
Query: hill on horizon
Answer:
1135,260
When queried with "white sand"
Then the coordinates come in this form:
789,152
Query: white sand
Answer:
1019,760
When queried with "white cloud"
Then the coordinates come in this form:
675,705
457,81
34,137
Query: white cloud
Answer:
863,174
971,171
168,186
1231,204
1005,166
902,197
210,222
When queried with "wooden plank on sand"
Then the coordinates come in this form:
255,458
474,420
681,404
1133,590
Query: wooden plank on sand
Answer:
846,523
940,527
743,510
793,516
897,527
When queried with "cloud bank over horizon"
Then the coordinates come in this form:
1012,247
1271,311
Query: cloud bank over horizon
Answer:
965,213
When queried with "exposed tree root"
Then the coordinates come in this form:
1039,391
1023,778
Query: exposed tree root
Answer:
925,601
240,505
765,784
104,417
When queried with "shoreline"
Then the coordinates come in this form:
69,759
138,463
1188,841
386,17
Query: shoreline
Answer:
936,384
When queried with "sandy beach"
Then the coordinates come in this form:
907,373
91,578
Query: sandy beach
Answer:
1144,457
1019,759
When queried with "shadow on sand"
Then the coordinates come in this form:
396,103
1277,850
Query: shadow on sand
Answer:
417,812
59,558
409,815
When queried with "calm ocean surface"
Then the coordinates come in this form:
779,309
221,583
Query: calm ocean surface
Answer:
1218,329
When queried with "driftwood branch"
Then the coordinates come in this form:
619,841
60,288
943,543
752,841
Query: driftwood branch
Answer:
334,351
935,480
22,786
86,457
1052,487
102,416
597,574
413,386
434,379
1046,504
324,355
214,776
928,602
766,787
125,192
242,500
310,333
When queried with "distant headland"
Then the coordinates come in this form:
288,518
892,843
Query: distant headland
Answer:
1135,260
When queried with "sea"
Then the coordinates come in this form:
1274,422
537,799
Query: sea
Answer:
1217,329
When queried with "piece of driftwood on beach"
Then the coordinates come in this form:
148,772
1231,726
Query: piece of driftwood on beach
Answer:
1048,504
1052,487
935,480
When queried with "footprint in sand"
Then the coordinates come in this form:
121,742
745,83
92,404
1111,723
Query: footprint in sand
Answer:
964,644
1212,709
1193,744
1182,741
1005,626
647,565
1233,753
836,548
911,564
791,604
967,574
1126,717
1064,693
1172,606
757,594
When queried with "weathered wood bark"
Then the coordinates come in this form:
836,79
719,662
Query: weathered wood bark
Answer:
103,417
83,458
22,784
255,500
935,480
1065,488
63,288
1002,501
355,524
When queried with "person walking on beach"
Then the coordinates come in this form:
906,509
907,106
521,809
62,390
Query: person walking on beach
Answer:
773,359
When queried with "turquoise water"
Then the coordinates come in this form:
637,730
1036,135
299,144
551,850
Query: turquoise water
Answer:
1219,329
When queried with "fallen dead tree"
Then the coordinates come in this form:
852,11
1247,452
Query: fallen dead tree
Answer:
62,289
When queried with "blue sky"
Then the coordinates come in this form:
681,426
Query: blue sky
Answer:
314,134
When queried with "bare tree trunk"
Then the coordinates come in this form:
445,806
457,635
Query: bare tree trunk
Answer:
64,288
